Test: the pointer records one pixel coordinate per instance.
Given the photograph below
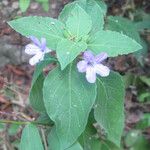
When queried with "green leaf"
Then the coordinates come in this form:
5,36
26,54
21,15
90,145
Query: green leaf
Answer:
134,140
45,6
79,22
127,27
142,143
144,24
68,99
54,143
103,6
96,13
145,80
113,43
109,107
42,1
95,9
141,54
24,4
2,127
144,122
64,14
36,94
131,137
44,119
53,140
75,146
40,66
144,96
124,26
46,27
68,50
89,139
30,139
13,129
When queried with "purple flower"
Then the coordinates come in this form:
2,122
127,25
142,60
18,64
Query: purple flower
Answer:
38,49
92,65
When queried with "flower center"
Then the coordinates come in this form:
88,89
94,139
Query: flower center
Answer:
91,63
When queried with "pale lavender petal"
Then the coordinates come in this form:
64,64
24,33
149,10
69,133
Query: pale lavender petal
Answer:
90,74
35,59
43,44
82,65
32,49
102,70
47,50
88,56
100,57
35,40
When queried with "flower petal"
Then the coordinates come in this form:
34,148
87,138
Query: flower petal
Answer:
35,59
43,44
100,57
35,41
32,49
90,74
47,50
88,56
102,70
82,65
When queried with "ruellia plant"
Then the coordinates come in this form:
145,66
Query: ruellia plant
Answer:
81,97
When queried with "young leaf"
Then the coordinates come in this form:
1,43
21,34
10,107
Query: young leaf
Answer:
30,139
109,112
113,43
68,50
63,16
46,27
68,99
79,22
24,4
36,94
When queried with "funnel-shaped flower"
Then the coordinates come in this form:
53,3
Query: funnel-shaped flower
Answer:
92,65
38,49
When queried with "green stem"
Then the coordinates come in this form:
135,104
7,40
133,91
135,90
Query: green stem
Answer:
22,122
14,122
